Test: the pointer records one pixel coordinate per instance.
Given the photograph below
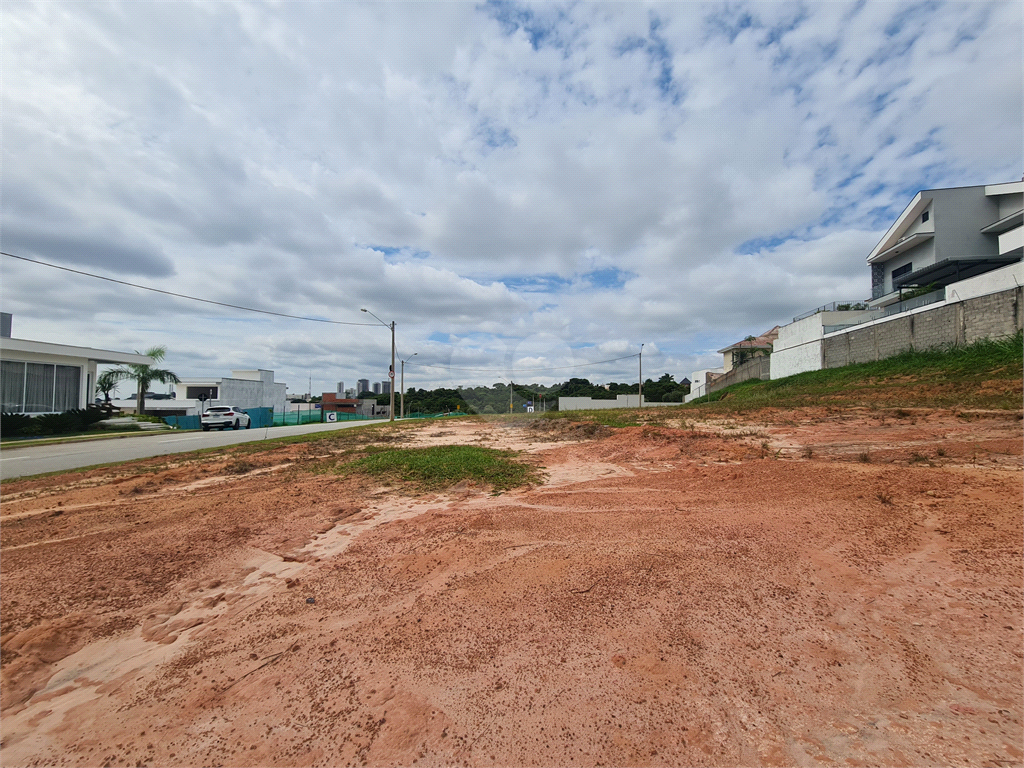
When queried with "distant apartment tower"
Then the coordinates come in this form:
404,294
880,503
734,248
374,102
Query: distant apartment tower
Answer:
376,387
350,393
340,390
363,385
385,387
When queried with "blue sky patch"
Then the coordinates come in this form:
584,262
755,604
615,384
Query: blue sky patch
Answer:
545,283
398,254
759,244
608,278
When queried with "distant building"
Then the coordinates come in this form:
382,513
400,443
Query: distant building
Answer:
363,385
340,389
350,393
385,387
698,387
243,389
753,346
376,387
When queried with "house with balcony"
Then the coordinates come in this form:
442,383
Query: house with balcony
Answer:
947,235
948,271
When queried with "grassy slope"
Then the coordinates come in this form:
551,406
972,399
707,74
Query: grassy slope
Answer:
986,375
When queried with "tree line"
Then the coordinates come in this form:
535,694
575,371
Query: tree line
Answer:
497,397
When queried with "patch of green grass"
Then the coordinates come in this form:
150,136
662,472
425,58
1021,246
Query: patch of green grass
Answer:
609,417
442,466
956,377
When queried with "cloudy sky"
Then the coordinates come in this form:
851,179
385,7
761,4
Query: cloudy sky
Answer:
518,187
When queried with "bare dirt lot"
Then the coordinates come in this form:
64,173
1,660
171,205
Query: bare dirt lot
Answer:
819,586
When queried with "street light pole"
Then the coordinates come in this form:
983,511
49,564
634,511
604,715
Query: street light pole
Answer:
391,373
391,408
403,381
641,375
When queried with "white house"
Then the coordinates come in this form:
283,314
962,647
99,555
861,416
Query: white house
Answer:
41,377
699,383
965,242
244,389
947,235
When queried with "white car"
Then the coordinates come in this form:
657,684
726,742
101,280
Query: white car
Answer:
224,416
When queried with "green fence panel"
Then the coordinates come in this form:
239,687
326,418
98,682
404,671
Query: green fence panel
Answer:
183,422
261,417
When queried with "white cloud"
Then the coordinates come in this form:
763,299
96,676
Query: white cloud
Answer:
734,162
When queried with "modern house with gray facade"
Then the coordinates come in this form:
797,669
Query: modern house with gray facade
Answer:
947,235
966,243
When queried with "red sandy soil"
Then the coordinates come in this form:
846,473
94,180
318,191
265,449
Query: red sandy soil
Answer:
806,587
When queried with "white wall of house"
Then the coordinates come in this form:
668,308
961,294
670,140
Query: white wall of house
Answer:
1002,279
589,404
244,389
620,401
1008,241
17,353
699,383
1009,197
798,347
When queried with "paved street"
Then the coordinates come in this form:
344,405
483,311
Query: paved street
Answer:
25,460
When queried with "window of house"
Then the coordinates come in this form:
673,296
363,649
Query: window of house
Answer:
924,217
906,269
39,387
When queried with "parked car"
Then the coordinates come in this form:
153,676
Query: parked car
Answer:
224,416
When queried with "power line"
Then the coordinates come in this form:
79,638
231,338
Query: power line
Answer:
522,370
184,296
300,317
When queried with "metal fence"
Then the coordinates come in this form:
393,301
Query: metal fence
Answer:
914,303
259,418
265,417
833,306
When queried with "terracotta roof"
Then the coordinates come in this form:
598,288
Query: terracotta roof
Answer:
764,341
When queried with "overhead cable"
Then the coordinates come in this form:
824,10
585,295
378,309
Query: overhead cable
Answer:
184,296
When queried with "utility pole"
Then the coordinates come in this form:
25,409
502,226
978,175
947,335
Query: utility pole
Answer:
391,374
641,375
403,381
510,395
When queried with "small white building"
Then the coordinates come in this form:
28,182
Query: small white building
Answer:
41,377
244,389
699,383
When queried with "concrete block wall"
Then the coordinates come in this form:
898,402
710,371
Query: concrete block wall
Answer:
755,368
998,314
984,317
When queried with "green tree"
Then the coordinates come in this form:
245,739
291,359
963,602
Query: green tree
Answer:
106,383
144,375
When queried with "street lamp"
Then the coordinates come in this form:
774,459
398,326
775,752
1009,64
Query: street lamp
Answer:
391,372
641,375
403,381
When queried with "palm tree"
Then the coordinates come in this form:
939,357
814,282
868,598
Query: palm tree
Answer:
144,375
106,383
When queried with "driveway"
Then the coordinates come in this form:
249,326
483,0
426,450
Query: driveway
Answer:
25,460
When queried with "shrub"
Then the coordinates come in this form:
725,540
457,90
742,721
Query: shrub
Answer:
75,420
